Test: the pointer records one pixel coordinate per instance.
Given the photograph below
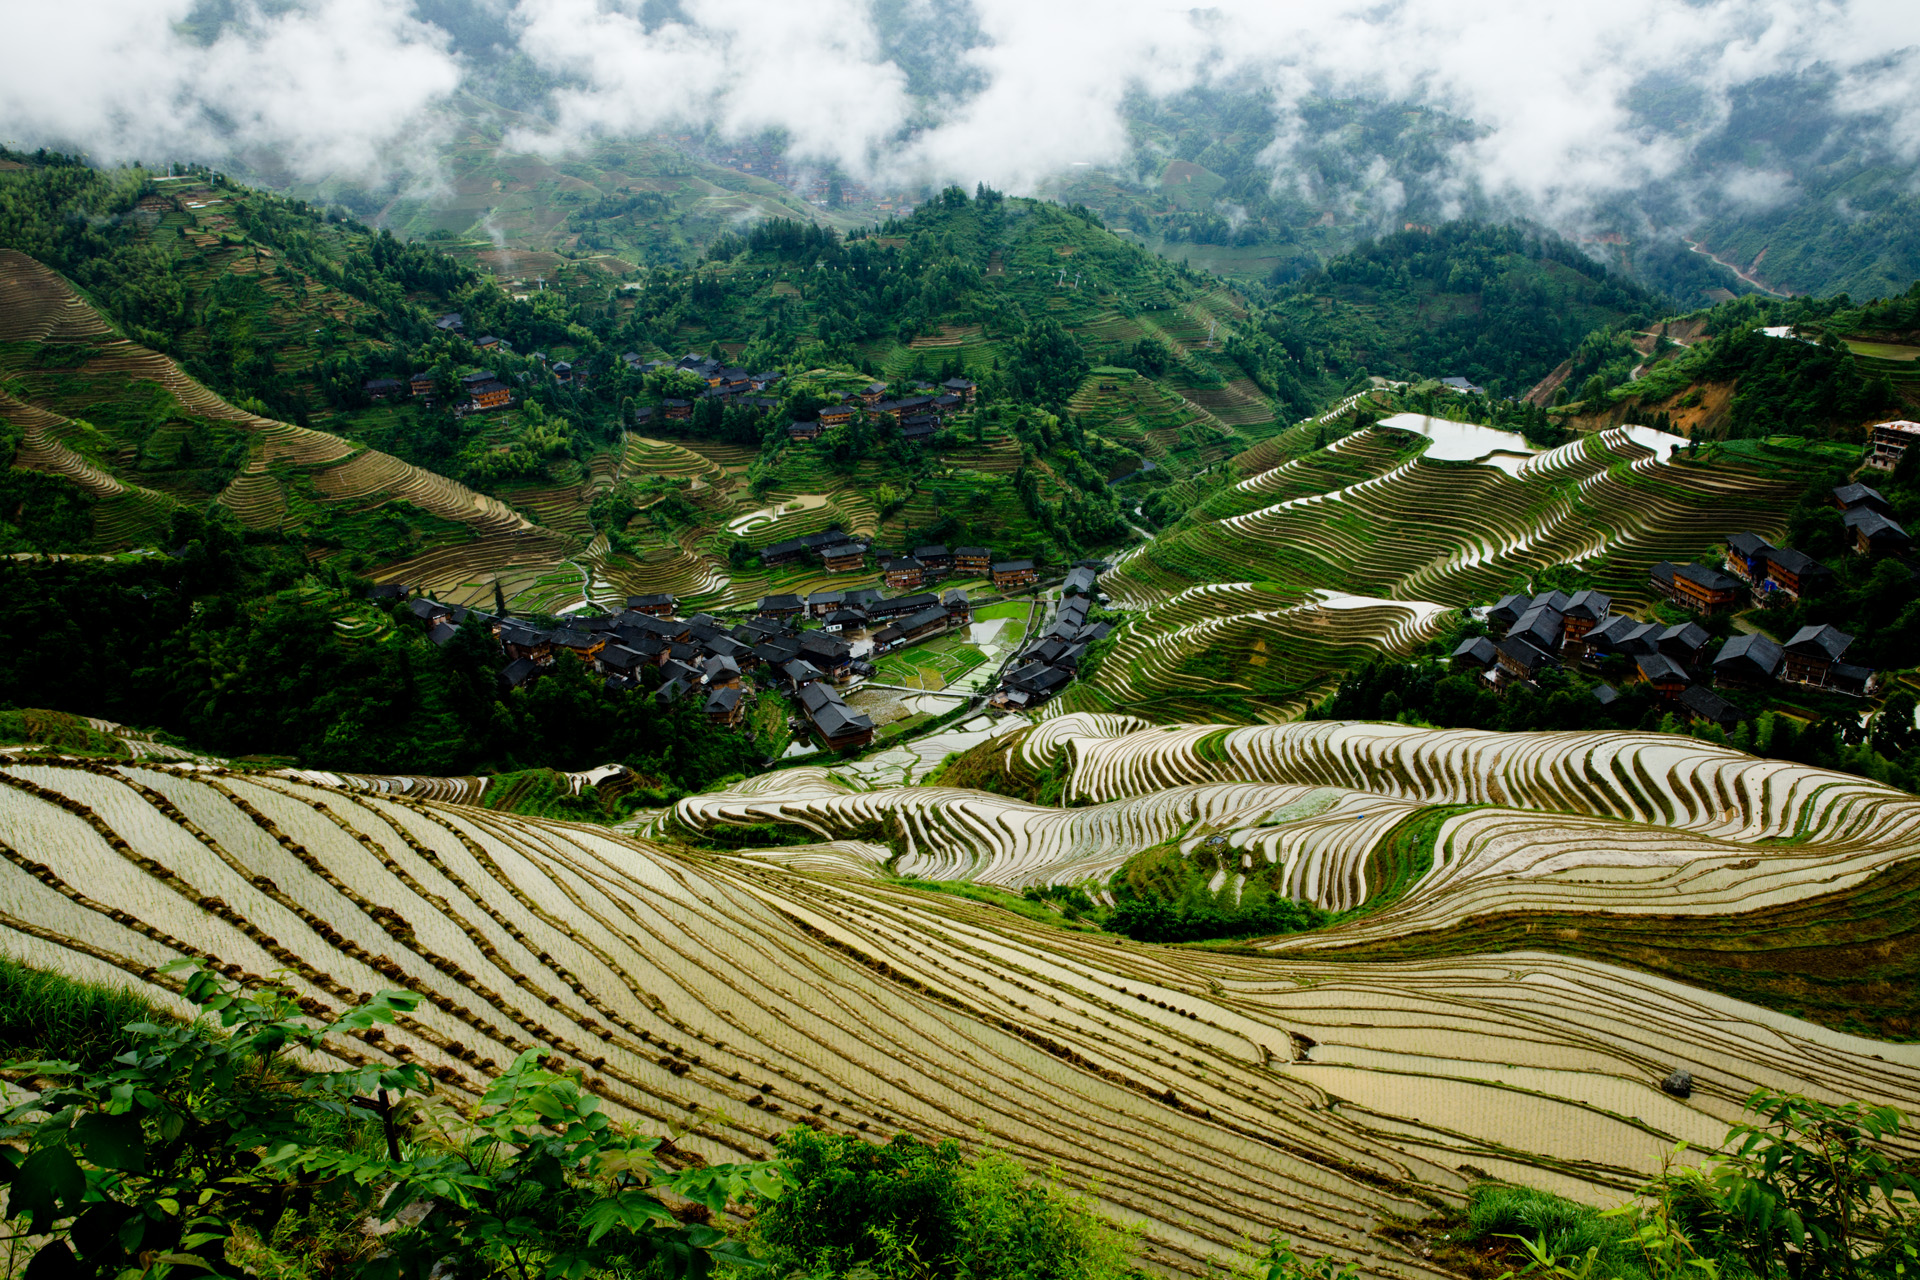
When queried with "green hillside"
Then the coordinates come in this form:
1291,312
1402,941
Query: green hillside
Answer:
1495,305
226,334
640,202
1829,368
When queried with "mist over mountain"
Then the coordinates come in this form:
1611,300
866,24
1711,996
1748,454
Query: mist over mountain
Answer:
1757,126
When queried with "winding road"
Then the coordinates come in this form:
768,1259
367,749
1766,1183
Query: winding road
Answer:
1752,280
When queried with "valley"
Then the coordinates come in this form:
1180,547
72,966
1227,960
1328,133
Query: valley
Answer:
1286,760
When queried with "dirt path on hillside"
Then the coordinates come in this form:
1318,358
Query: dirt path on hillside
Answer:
1755,281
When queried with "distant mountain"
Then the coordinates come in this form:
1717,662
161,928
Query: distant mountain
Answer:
1788,191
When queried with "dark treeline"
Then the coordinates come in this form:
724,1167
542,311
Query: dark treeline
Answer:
216,646
1154,920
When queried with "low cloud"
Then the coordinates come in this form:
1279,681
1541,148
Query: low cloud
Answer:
330,86
1553,96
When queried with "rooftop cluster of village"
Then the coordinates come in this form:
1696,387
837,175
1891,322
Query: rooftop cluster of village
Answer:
1051,660
1553,628
481,389
841,552
918,409
919,413
648,646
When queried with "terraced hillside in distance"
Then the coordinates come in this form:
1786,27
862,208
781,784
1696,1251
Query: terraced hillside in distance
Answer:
1205,1095
1276,583
1562,837
141,439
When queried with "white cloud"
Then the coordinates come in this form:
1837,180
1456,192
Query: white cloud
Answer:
327,85
342,85
813,69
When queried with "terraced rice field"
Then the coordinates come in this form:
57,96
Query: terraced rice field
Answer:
646,456
36,305
1602,822
1384,535
1210,1096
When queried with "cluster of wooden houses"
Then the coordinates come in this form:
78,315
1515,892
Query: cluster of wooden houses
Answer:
726,385
842,552
482,389
895,622
647,646
1869,520
918,414
1051,660
1676,661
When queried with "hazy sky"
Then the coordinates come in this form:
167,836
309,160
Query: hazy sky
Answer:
361,86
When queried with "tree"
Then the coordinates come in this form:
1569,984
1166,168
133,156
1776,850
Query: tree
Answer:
1818,1180
149,1168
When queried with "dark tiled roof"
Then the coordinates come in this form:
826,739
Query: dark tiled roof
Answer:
1477,649
1704,578
1589,604
1507,608
1749,651
1690,636
1657,668
1852,495
1826,643
1529,657
1642,637
1708,705
621,658
1542,625
1871,524
1797,563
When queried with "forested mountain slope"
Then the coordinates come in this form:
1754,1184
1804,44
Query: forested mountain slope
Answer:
289,313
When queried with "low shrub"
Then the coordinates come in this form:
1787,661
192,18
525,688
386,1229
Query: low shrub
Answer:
911,1210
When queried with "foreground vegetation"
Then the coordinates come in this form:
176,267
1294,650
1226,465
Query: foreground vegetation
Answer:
1804,1188
206,1146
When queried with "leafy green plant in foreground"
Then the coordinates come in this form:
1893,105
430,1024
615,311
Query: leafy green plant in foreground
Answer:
1807,1189
153,1165
1811,1189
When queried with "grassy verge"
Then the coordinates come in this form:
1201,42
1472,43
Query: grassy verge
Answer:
1481,1240
1398,862
59,730
46,1015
